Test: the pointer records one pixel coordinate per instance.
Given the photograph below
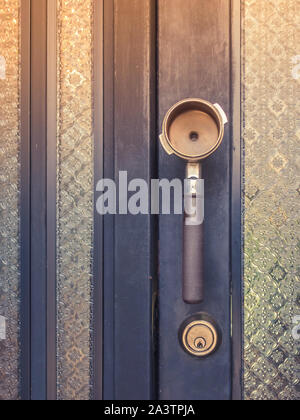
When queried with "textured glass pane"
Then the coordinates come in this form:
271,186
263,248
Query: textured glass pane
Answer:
9,198
74,198
271,110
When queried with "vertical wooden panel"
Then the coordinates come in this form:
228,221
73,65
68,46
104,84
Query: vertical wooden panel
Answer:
194,61
98,220
25,200
134,140
108,222
38,198
51,197
236,205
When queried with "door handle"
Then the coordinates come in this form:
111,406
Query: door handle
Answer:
193,129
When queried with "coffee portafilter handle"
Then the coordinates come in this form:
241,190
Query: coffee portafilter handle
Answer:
193,239
193,264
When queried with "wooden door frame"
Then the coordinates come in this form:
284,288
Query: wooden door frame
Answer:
25,202
38,369
129,277
236,203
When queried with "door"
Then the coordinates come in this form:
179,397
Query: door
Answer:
91,303
180,52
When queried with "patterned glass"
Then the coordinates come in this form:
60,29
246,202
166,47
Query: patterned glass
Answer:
75,206
9,198
271,132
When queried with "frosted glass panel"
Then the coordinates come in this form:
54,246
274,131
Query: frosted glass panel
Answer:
75,207
271,110
9,199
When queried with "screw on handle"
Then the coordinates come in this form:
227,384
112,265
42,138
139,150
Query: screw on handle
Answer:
193,272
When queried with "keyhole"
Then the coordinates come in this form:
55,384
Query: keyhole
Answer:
194,136
200,343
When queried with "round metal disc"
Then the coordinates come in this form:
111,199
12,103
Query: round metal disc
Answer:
193,133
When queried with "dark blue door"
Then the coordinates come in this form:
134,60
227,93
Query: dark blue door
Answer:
178,50
194,62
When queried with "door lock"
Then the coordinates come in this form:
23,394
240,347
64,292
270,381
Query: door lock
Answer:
200,336
193,129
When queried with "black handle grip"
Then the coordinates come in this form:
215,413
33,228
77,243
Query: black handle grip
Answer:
193,263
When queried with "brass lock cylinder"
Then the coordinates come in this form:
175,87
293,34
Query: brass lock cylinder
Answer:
200,336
